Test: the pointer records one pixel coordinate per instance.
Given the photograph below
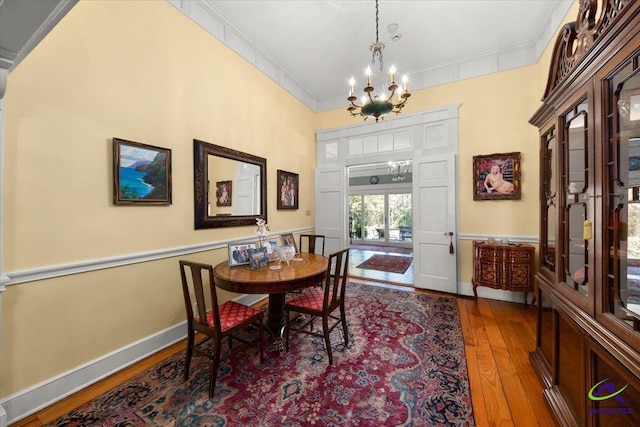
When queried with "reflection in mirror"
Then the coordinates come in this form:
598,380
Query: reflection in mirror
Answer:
625,201
234,187
229,186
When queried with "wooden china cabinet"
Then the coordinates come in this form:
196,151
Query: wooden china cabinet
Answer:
588,335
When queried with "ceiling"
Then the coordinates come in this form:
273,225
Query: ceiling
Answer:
313,47
321,44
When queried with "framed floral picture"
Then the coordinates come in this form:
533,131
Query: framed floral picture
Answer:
141,174
496,176
287,190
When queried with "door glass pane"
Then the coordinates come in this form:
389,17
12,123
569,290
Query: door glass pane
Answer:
355,217
575,179
373,217
399,215
623,267
577,250
549,219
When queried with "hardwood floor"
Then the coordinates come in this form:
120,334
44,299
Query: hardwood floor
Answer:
498,338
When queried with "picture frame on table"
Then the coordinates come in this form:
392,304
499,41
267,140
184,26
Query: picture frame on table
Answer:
289,240
287,190
258,258
141,174
497,176
239,253
223,193
271,246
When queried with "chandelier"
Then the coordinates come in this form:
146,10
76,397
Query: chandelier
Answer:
381,104
399,169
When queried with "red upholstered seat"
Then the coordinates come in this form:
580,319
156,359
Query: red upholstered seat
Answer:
232,314
311,299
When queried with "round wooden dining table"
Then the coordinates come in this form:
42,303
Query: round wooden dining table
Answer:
303,271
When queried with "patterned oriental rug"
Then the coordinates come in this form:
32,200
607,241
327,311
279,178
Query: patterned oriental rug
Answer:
388,263
405,365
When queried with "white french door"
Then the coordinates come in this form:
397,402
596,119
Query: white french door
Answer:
434,223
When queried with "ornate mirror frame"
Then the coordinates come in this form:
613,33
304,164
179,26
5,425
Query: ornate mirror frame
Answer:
201,152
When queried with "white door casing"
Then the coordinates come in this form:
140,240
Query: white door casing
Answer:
430,139
434,217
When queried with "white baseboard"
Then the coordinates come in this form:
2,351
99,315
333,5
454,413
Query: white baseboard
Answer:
3,417
40,396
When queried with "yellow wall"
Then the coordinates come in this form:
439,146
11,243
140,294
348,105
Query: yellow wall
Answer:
141,71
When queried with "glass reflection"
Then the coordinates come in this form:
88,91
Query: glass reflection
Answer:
575,179
624,287
549,215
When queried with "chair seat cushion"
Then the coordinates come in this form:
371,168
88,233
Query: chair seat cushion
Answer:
311,298
232,314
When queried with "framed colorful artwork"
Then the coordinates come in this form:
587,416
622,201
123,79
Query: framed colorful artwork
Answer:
496,177
287,190
141,174
223,193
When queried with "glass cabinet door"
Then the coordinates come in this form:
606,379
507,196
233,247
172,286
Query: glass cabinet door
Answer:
549,208
622,292
576,184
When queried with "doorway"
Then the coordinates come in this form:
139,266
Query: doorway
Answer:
379,206
384,218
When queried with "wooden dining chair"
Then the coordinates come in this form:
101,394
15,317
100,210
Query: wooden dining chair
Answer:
321,303
311,243
215,321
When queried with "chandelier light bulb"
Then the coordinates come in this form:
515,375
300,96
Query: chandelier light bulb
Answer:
392,71
405,79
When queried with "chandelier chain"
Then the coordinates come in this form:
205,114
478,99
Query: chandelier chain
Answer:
376,48
377,21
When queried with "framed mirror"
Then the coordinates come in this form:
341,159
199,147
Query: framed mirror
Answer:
229,186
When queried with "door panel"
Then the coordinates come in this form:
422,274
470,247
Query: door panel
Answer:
331,213
434,217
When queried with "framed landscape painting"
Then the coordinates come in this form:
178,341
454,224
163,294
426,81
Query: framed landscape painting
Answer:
141,174
496,176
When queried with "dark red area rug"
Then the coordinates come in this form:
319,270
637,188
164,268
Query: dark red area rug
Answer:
388,263
405,365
